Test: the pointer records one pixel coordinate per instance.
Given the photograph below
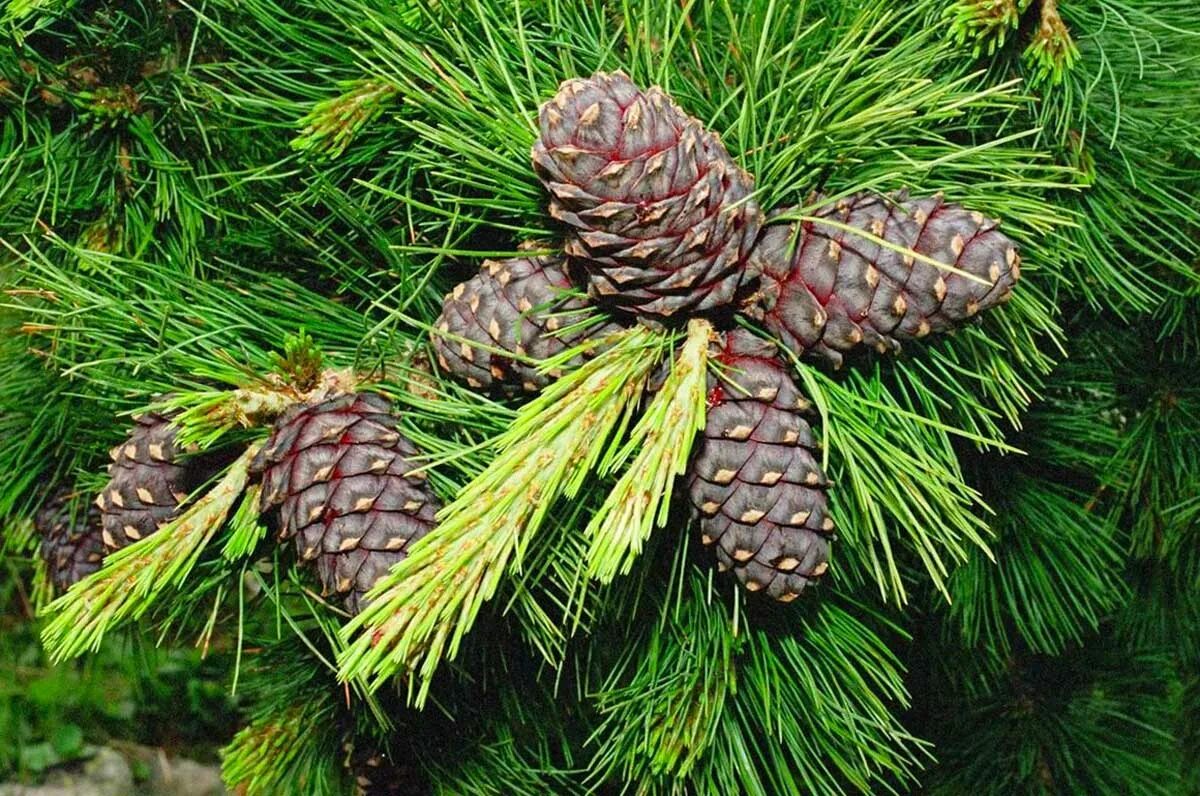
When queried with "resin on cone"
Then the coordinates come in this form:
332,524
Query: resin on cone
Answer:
342,476
71,544
756,483
662,219
147,482
521,306
826,290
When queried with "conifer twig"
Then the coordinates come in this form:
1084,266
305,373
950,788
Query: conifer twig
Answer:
421,611
269,751
133,579
1051,51
665,433
332,124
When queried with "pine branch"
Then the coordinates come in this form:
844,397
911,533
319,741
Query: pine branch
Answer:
900,486
506,766
662,704
1053,579
134,579
985,24
1097,722
1135,245
823,697
333,123
294,740
277,754
1051,50
420,612
663,440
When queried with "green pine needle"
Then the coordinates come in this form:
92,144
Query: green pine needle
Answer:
642,497
661,707
1051,52
132,580
985,23
421,611
294,741
899,478
266,757
17,537
333,123
245,528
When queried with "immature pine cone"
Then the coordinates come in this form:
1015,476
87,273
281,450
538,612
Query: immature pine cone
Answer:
826,290
71,545
662,216
146,485
520,306
341,474
756,483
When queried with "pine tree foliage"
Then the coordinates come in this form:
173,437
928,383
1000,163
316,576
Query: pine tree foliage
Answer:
295,734
1104,117
106,144
221,209
1048,727
686,698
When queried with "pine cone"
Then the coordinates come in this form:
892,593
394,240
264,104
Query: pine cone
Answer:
71,542
827,290
662,216
380,775
340,472
756,483
146,485
518,305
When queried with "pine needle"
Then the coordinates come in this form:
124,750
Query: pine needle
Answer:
132,580
421,611
246,529
17,537
642,497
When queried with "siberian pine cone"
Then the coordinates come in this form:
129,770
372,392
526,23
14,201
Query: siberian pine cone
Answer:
146,485
71,544
380,775
341,474
521,306
827,290
756,483
662,217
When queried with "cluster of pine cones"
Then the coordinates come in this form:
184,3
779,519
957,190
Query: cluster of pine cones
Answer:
147,482
336,469
662,225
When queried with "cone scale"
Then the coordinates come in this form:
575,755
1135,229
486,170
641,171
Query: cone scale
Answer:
71,543
146,485
523,307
